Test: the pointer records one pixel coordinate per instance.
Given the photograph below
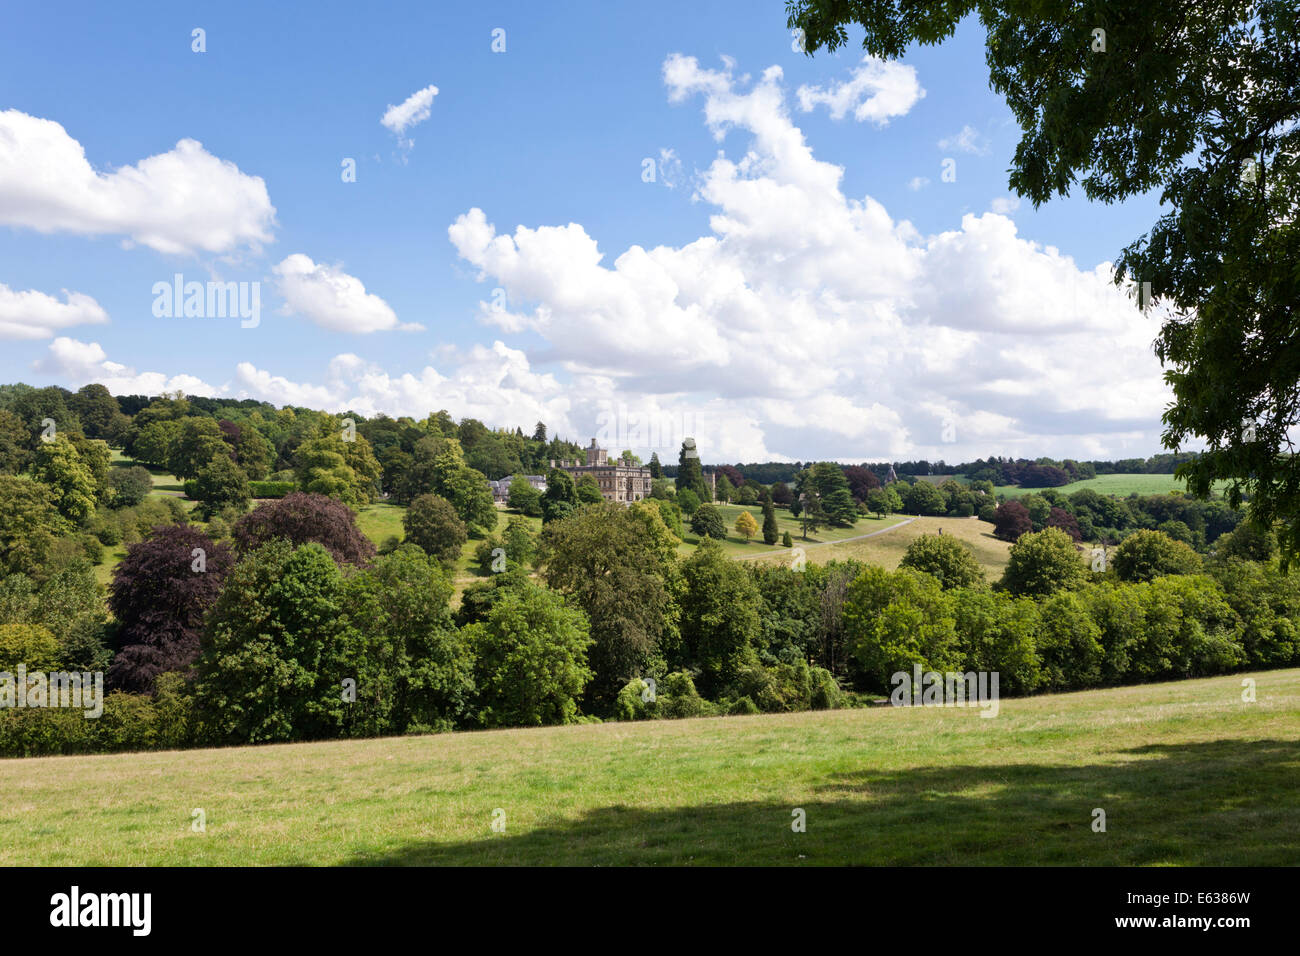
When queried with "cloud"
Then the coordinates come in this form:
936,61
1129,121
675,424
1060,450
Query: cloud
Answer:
332,299
35,315
1005,205
821,324
803,323
412,111
878,91
82,363
917,183
969,140
184,201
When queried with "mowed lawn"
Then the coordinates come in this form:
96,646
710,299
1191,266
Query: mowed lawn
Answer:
1186,772
887,549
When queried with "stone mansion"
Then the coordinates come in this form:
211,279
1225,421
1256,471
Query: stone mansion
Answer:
618,480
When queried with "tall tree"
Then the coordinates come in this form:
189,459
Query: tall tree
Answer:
770,530
159,594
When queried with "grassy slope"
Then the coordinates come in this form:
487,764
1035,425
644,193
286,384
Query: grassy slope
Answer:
1120,485
887,549
735,545
1186,773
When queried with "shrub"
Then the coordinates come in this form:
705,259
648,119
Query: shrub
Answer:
271,489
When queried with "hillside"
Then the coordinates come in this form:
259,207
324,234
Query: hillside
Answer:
1186,772
887,549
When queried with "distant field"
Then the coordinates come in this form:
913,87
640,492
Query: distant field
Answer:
1186,772
735,545
887,549
1120,485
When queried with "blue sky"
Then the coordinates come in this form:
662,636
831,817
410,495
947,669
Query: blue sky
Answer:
906,359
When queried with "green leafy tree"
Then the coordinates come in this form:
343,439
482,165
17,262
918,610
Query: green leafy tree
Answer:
129,486
221,484
416,674
198,440
894,620
996,633
59,467
827,479
618,565
432,523
530,659
277,647
588,491
707,522
1042,563
155,443
924,498
1069,643
31,645
524,498
720,622
1145,555
949,561
14,454
1200,104
690,473
884,501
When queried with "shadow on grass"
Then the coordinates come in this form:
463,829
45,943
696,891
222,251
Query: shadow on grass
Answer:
1225,802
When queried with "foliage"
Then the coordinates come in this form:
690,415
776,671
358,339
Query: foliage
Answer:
300,518
159,595
1042,563
432,523
948,560
530,659
1144,555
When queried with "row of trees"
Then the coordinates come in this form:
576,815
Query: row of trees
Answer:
297,629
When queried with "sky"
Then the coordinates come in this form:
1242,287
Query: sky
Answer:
634,222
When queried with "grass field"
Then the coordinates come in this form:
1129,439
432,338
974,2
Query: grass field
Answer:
1120,485
1186,772
736,546
887,549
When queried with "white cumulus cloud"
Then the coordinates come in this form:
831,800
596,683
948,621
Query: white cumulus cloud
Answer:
877,91
183,201
332,299
35,315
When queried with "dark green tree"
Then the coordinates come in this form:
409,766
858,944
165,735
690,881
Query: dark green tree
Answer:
770,531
